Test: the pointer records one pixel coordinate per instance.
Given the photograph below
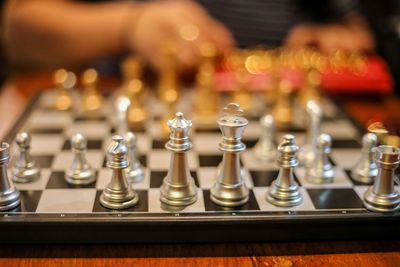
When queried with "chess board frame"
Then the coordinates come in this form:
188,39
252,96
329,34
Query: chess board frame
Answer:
177,227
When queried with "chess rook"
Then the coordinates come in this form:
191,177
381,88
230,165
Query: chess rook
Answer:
366,169
265,149
178,188
9,195
229,189
135,172
321,170
284,191
25,169
382,196
80,171
118,194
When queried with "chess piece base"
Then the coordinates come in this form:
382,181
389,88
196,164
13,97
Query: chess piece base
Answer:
320,176
178,194
135,175
81,178
381,202
9,199
27,175
284,197
365,176
118,199
228,195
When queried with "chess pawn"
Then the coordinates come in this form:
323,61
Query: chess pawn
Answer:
229,190
321,171
9,195
92,99
265,149
135,172
80,171
65,81
366,169
25,169
314,115
284,190
283,110
122,104
118,194
178,188
382,196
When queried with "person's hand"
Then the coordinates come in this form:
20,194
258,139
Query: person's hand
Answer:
184,24
350,35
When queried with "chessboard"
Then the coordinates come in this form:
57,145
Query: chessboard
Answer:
54,211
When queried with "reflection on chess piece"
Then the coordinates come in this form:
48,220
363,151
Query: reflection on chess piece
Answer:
366,169
25,169
9,195
64,81
229,189
382,196
118,194
134,88
178,188
92,99
206,112
310,89
80,172
283,109
284,191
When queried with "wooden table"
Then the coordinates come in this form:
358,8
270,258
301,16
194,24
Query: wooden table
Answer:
17,92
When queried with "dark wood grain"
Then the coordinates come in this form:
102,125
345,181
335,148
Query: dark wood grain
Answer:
17,93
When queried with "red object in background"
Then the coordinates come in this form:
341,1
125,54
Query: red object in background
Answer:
376,79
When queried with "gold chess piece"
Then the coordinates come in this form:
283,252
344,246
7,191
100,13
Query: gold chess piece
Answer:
241,94
134,88
168,85
271,92
380,131
92,99
64,81
206,112
310,88
283,110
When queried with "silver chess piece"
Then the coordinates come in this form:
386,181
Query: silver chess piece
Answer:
178,188
265,149
321,171
382,196
366,170
118,194
284,190
229,189
308,151
135,171
25,169
80,172
122,105
9,195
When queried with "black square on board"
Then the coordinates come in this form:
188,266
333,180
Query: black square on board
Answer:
141,206
249,142
345,143
210,160
211,206
57,180
157,177
266,177
335,198
91,144
88,118
159,143
46,131
43,161
29,201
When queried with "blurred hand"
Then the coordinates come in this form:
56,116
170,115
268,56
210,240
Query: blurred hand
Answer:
182,23
351,35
